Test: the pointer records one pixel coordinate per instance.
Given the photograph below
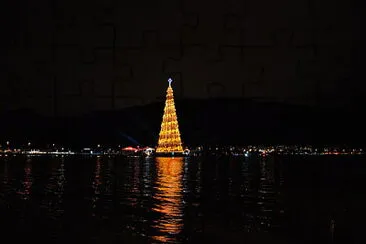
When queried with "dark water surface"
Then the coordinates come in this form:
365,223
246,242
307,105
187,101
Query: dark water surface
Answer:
138,200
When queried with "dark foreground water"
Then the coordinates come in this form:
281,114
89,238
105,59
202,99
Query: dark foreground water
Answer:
221,200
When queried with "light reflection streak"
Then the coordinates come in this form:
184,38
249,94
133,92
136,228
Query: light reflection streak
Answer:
198,177
133,184
52,202
248,194
267,194
28,181
61,180
5,186
6,174
147,177
136,183
107,190
169,199
96,184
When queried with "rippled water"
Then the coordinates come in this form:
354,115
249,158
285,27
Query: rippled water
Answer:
165,200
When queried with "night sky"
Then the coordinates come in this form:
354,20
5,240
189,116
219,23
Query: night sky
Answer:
72,57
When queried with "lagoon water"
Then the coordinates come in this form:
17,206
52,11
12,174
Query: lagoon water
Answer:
183,200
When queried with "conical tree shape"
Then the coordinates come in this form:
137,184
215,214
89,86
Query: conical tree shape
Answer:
169,137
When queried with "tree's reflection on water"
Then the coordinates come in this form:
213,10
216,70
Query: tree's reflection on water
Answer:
168,199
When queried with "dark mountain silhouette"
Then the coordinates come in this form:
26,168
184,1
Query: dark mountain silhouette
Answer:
215,121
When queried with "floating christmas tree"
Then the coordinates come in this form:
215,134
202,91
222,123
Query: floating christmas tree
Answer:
169,137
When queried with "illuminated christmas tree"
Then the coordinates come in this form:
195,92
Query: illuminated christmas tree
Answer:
169,137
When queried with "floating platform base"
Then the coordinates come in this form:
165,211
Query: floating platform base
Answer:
171,154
